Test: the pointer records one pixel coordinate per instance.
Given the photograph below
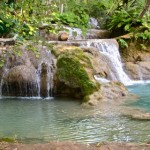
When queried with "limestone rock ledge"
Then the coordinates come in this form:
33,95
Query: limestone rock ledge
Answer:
69,70
111,92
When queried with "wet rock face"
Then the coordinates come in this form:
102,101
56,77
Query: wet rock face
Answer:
137,61
110,92
138,71
28,74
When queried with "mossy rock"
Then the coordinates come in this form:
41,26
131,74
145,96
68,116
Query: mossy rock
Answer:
8,140
74,69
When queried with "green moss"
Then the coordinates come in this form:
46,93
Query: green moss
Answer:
86,98
71,70
7,139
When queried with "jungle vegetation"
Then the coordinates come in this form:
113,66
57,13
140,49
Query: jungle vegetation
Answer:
25,17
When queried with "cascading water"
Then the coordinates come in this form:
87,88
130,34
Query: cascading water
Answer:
109,48
75,33
140,72
44,80
49,81
28,76
4,73
38,79
44,75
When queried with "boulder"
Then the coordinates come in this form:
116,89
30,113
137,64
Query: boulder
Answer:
63,36
137,60
21,73
145,70
74,71
20,81
113,91
138,71
132,70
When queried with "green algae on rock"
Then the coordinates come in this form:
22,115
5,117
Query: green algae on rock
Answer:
8,140
75,70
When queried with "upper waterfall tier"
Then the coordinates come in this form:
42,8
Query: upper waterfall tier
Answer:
110,50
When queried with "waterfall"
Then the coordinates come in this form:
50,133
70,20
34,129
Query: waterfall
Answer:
4,73
38,80
75,33
28,76
49,81
93,23
110,49
140,72
44,80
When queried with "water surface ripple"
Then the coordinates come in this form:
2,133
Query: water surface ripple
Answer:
40,120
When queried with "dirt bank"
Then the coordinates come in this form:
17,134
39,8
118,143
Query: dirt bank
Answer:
74,146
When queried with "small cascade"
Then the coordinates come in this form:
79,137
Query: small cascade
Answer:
44,76
49,81
44,80
75,33
27,76
140,72
38,80
110,49
93,23
4,73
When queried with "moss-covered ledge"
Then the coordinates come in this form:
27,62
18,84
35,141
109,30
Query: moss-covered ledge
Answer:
75,73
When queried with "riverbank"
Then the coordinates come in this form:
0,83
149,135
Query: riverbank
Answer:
74,146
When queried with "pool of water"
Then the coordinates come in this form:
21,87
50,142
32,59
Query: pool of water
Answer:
38,120
143,91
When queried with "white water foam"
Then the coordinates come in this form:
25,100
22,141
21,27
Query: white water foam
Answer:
110,49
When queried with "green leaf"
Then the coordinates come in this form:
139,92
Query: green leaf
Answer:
127,27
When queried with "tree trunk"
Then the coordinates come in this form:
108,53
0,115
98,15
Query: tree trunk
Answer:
146,7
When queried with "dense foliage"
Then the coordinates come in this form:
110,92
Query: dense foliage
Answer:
25,17
127,18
